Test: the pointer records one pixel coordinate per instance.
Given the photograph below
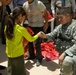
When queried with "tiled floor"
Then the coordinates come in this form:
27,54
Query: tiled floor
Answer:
47,67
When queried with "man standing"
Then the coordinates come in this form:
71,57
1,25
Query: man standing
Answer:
34,10
3,12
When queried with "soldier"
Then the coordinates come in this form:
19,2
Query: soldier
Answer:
3,13
65,36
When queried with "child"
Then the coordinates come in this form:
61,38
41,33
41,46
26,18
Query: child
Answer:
15,33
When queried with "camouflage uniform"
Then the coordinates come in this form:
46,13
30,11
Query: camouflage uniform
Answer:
65,41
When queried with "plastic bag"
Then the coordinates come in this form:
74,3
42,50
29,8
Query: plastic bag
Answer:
48,51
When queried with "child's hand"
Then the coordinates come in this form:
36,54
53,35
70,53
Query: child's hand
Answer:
41,34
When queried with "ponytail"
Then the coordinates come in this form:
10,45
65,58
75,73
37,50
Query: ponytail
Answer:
10,21
9,27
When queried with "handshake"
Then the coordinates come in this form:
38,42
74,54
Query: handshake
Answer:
41,34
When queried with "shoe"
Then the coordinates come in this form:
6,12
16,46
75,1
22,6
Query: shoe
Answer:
38,62
2,67
0,73
29,58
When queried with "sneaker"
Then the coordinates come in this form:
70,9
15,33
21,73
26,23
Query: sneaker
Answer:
29,58
2,67
38,62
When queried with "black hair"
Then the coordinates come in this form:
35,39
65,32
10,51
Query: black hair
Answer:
10,21
64,11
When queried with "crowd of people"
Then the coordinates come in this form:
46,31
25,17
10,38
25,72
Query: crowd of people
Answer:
12,32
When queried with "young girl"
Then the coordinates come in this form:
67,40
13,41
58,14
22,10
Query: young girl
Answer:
15,33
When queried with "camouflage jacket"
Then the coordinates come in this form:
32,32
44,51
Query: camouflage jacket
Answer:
64,37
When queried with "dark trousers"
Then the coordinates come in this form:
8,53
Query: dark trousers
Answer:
37,44
16,66
8,11
2,33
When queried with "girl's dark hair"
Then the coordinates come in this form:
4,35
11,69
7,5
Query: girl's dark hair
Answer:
10,21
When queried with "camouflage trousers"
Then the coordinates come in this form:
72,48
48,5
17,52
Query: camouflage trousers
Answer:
68,66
